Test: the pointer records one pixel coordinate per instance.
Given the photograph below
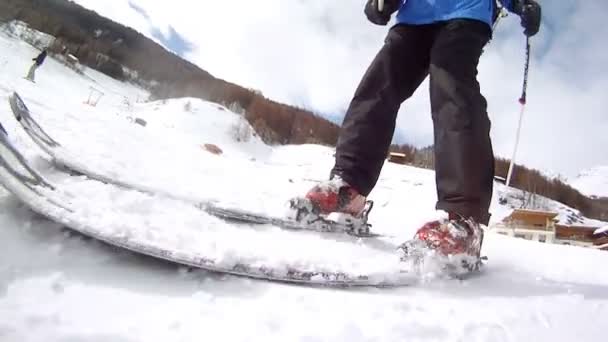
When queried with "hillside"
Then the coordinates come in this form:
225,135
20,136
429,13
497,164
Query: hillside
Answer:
592,182
110,47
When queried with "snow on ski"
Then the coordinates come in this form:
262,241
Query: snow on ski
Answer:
61,158
193,238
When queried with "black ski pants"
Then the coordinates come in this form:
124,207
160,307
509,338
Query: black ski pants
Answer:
464,161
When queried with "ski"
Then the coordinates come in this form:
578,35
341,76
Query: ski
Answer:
66,207
358,227
303,218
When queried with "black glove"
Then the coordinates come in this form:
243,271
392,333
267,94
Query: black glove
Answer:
530,14
381,17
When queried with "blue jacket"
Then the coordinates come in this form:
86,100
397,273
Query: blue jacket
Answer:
419,12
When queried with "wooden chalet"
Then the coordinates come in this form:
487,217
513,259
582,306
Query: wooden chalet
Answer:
601,239
542,226
531,219
529,224
397,158
575,235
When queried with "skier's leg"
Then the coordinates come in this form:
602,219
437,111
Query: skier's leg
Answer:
31,73
464,161
368,127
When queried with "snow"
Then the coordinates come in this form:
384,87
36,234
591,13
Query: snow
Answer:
58,286
601,230
592,182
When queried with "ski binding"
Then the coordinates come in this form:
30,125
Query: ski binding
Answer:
304,212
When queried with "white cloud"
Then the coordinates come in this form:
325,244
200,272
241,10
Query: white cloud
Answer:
313,53
119,11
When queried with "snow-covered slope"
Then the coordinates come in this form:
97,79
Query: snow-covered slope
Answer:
56,286
592,182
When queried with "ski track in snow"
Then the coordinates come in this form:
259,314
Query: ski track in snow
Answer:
60,286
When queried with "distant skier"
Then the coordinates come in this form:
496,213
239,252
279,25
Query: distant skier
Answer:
38,60
443,39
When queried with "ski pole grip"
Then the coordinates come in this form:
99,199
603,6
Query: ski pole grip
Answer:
380,5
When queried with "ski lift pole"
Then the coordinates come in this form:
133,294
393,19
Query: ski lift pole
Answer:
522,101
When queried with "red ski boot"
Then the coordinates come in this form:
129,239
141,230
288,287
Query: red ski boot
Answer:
336,196
333,201
453,237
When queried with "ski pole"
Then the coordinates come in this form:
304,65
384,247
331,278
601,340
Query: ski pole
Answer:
522,101
380,5
502,13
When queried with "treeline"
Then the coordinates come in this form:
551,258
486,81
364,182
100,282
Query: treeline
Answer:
523,178
275,123
419,157
533,181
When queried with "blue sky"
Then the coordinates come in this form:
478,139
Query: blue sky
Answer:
313,53
171,39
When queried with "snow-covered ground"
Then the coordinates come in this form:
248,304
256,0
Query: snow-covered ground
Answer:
592,182
57,286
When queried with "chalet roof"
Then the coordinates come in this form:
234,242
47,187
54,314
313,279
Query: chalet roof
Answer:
601,230
525,213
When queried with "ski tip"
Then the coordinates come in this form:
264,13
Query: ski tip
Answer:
17,105
3,130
